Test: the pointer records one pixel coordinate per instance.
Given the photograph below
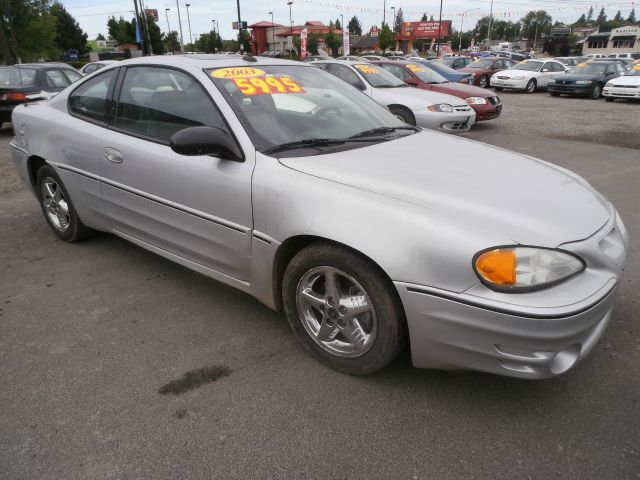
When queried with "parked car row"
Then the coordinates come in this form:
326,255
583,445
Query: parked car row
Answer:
279,179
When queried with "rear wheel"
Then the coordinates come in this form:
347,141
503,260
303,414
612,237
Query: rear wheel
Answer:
404,114
57,207
596,92
484,81
531,86
343,309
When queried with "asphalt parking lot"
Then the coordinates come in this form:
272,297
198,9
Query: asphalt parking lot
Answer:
102,344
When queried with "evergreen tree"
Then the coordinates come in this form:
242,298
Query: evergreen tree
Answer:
28,31
69,35
354,26
424,18
602,17
431,19
398,21
338,24
385,37
100,37
581,22
590,15
632,16
618,17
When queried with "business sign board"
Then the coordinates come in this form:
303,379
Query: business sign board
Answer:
421,30
234,25
303,44
345,42
153,13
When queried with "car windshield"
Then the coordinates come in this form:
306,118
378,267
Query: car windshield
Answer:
281,105
589,69
425,74
529,65
634,72
440,68
17,77
481,63
378,77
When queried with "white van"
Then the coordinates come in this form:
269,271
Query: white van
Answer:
633,56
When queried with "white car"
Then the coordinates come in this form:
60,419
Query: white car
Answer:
432,110
94,66
626,86
528,75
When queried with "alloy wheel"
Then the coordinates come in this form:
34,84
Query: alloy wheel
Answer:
336,311
55,204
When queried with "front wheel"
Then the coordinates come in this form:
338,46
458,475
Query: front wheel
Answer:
404,114
596,92
531,86
484,81
57,207
343,309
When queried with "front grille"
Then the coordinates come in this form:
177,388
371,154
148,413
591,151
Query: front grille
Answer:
457,126
504,78
565,82
625,86
494,100
462,108
490,115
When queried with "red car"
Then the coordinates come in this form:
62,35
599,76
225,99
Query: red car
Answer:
483,68
486,103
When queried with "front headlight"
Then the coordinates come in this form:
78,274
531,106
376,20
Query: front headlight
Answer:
608,84
584,82
521,269
476,101
441,107
552,80
519,77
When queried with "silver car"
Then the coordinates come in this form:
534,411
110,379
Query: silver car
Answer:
432,110
278,179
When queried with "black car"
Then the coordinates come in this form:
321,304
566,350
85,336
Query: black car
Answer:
585,79
457,62
32,81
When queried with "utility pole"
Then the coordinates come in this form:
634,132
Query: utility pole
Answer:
291,29
139,27
4,44
490,22
384,12
189,22
166,11
535,37
461,22
273,36
239,27
440,30
180,25
143,9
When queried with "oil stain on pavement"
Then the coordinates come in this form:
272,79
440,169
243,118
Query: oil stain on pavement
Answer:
194,379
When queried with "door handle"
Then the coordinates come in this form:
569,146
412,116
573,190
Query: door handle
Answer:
113,155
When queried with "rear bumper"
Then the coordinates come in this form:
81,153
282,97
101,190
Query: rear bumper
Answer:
448,334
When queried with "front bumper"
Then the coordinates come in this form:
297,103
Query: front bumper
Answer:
621,92
508,83
487,112
532,335
452,122
572,89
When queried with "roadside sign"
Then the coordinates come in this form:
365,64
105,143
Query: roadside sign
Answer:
289,42
345,42
234,25
153,13
303,44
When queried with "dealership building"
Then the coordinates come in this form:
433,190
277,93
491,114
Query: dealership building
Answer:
619,40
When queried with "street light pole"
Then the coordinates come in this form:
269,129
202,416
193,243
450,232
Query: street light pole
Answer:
189,22
273,37
239,28
535,37
166,11
291,29
490,22
180,25
384,12
440,30
461,21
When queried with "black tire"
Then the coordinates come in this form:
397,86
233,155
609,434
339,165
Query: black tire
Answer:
596,91
531,86
608,99
554,94
75,230
484,81
390,323
404,114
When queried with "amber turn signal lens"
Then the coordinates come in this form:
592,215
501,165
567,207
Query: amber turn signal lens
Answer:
498,266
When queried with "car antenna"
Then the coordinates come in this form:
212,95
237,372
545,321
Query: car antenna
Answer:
247,57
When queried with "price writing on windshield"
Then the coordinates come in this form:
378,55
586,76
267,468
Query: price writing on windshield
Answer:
267,86
367,69
238,72
415,68
637,67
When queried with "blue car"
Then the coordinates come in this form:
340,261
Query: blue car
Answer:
448,72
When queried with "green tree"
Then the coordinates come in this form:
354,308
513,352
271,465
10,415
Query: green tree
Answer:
581,22
533,21
354,26
602,17
590,15
481,29
398,21
338,24
209,42
333,42
618,16
424,18
171,43
28,30
69,35
100,37
385,37
632,16
122,31
155,36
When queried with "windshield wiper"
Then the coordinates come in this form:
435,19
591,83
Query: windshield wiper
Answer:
392,86
311,143
382,131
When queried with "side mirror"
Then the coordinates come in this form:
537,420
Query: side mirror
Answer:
205,141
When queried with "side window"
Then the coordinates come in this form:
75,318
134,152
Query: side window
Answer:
72,75
90,68
397,71
346,74
157,102
55,79
498,64
90,99
323,66
548,66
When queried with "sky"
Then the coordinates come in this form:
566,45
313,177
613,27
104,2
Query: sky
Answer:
93,14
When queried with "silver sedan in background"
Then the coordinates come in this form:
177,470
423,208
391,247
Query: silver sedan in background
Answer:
432,110
280,180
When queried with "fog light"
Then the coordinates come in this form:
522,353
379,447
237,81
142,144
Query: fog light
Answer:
565,359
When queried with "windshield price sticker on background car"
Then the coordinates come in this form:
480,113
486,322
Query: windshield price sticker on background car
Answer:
637,67
415,68
238,72
581,65
367,69
266,86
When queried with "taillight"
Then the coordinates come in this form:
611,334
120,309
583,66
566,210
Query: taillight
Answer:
13,97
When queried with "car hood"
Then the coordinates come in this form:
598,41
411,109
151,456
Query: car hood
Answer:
517,73
477,71
626,80
414,98
574,77
462,90
480,187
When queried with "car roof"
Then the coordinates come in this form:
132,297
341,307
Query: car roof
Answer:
209,61
43,65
